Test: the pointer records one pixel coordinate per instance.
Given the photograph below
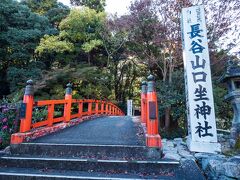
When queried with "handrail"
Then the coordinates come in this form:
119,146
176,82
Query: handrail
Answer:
110,109
100,108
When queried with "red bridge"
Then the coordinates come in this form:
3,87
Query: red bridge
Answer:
109,146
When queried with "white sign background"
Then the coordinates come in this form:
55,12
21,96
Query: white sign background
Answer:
192,16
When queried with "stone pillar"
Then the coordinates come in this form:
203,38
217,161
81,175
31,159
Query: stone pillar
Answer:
68,105
232,78
234,97
28,102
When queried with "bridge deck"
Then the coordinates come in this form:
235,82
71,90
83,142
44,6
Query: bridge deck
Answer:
113,130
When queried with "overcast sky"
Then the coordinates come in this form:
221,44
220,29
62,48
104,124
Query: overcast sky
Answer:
113,6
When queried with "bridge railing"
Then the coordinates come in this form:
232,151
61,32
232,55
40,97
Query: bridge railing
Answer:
94,107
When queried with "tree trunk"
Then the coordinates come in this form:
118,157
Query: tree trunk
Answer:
89,58
167,118
168,109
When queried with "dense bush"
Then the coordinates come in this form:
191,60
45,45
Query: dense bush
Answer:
9,123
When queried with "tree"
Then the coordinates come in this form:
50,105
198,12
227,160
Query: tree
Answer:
114,36
20,32
78,35
52,9
156,38
81,28
124,70
40,7
97,5
57,14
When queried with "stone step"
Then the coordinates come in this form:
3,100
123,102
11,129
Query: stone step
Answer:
94,165
58,168
86,151
39,174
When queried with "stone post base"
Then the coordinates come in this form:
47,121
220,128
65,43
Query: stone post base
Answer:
208,147
153,140
235,134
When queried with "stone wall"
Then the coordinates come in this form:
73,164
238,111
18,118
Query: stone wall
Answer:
214,166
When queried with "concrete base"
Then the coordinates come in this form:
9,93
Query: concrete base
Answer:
208,147
153,141
154,153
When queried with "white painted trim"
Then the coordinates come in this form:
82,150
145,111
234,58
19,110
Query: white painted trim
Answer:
89,160
60,176
97,145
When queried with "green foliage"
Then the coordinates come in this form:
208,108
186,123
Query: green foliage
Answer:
82,26
20,32
89,46
78,37
52,9
173,95
53,44
39,114
89,82
97,5
40,7
94,83
17,77
176,133
57,14
223,109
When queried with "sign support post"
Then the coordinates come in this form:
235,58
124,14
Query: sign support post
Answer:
130,107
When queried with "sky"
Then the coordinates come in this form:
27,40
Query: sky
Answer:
113,6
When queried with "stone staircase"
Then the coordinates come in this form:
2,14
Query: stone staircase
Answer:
85,161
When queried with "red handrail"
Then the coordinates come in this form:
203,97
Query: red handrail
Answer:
106,108
101,108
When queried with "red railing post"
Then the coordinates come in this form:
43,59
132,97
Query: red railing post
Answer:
90,107
50,114
110,109
68,105
102,107
153,137
143,102
29,101
106,110
96,108
80,109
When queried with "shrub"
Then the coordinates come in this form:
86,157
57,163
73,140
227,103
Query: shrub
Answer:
9,123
